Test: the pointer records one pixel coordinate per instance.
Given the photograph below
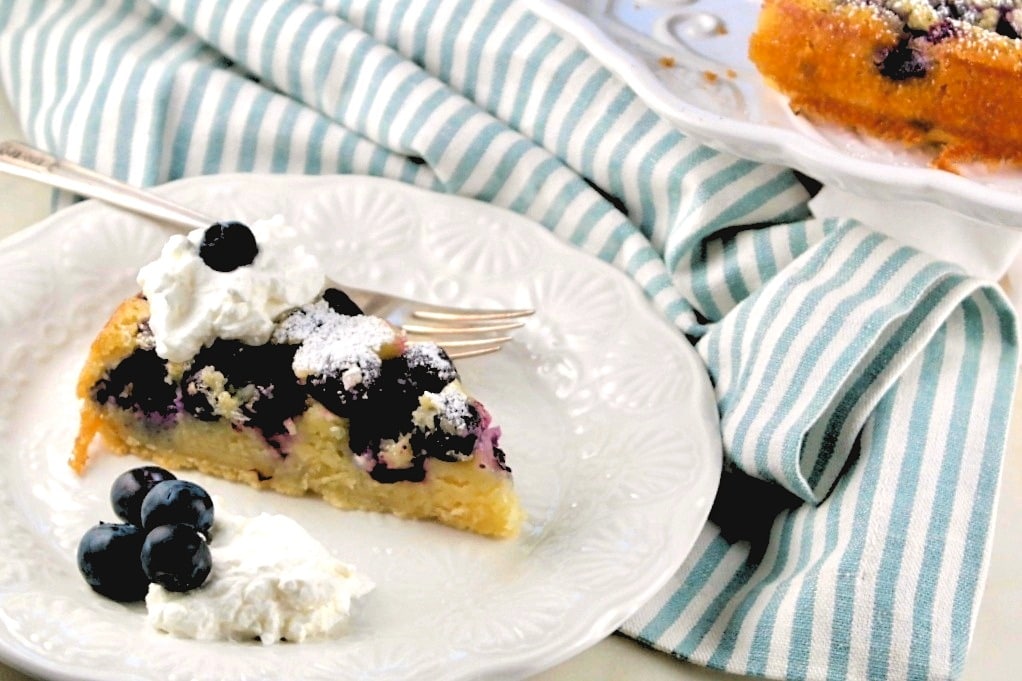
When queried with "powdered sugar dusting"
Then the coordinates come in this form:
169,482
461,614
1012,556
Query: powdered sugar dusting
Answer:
333,344
450,408
431,356
454,412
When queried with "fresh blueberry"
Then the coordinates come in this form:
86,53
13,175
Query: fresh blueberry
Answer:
177,502
176,557
108,558
340,303
131,487
226,246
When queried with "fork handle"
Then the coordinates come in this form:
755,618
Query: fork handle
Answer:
17,158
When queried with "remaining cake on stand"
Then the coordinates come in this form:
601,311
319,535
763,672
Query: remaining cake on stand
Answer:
943,73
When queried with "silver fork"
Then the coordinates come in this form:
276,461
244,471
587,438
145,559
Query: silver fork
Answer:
462,332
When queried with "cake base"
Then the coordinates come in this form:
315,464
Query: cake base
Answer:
313,457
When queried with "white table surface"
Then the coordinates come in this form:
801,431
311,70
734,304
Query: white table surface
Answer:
996,651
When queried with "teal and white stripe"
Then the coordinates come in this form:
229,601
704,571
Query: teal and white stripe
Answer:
866,580
868,385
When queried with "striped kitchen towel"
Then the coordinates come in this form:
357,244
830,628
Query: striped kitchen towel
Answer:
863,388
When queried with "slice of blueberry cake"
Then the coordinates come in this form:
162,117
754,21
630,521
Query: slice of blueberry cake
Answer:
225,365
940,73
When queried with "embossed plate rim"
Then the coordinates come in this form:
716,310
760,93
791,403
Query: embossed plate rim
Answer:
791,145
587,621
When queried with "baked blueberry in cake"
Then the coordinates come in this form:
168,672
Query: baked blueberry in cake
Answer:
236,361
940,73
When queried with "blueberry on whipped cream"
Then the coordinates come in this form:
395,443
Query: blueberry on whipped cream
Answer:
193,302
176,557
261,577
271,581
226,246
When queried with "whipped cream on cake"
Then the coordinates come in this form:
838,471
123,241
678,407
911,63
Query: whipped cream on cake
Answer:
192,304
271,580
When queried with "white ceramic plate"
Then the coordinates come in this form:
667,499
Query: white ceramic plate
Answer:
734,111
609,423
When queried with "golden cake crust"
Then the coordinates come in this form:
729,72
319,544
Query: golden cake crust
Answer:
823,56
318,461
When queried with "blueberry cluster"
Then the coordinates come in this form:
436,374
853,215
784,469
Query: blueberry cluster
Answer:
139,383
260,375
382,411
909,59
162,541
267,394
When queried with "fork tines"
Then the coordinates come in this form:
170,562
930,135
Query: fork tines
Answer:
466,333
470,315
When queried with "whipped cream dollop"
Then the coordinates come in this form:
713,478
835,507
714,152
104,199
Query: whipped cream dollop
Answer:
271,580
191,304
